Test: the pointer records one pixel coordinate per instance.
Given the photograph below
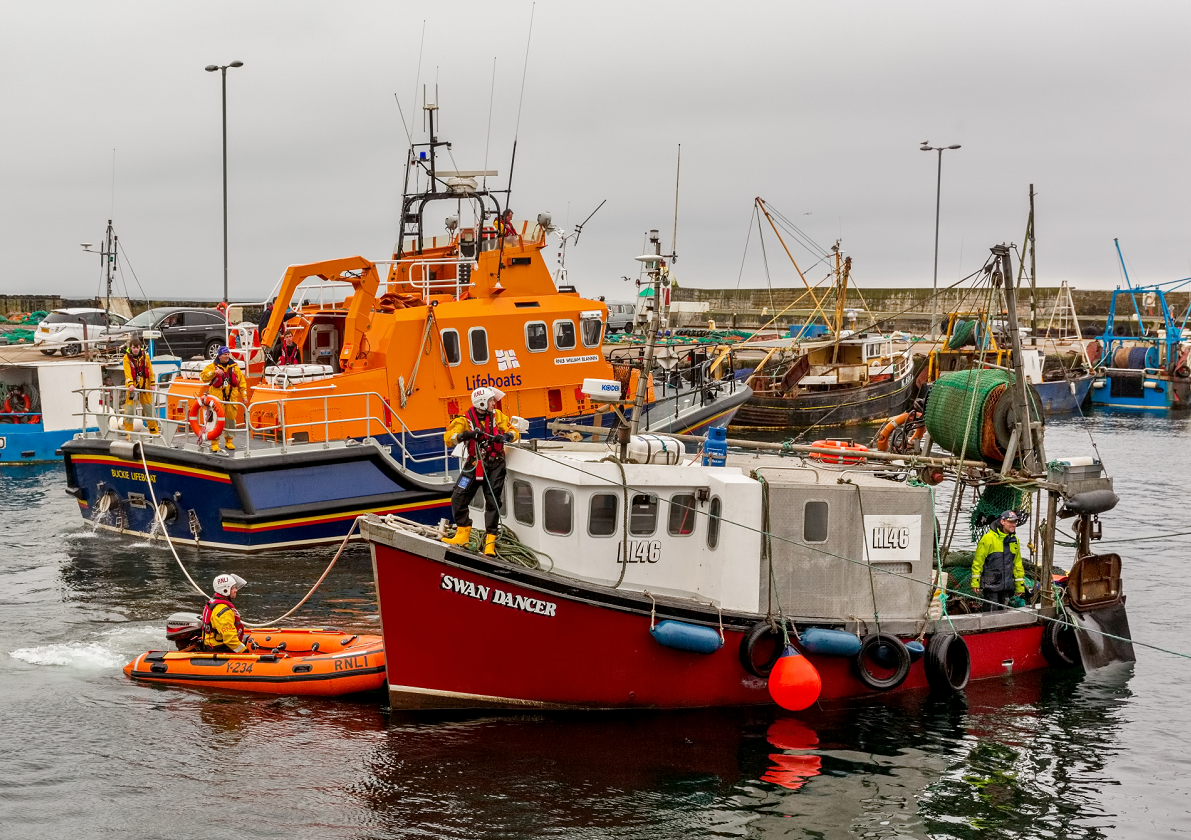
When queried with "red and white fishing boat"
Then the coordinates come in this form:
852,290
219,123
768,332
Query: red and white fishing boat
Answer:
638,576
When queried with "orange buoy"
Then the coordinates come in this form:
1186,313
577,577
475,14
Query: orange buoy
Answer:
213,420
794,683
327,663
842,444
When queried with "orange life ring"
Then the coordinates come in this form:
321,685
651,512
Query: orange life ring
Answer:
844,445
889,428
212,426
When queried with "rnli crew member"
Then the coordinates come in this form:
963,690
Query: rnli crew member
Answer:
485,430
224,379
291,353
138,384
996,569
504,226
222,628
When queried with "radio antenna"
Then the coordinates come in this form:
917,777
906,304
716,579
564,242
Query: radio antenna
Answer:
488,138
520,102
677,177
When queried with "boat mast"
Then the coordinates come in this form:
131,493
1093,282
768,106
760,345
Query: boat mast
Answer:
1033,281
656,268
1027,432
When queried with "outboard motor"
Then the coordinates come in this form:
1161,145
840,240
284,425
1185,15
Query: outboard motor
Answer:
184,629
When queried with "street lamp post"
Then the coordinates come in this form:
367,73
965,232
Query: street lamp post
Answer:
934,298
222,68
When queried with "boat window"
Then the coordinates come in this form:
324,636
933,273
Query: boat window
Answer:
601,517
556,511
536,337
814,522
643,515
591,330
682,515
713,522
450,347
564,335
477,343
523,502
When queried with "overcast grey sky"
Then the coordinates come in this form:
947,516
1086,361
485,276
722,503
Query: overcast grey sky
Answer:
817,107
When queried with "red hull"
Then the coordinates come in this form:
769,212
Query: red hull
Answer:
558,649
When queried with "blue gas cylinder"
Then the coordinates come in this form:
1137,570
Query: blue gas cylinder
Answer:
715,448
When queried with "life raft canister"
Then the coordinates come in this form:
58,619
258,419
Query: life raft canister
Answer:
211,426
842,444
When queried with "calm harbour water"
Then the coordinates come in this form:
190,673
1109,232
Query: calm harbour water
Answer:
88,754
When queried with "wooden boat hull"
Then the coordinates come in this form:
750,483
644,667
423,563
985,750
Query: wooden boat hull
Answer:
841,407
556,642
344,664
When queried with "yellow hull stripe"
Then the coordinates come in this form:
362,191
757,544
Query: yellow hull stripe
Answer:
335,517
157,465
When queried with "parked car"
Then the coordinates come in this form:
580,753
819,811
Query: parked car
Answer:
620,316
64,330
184,332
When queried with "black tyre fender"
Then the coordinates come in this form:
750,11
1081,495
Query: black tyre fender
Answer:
1059,645
754,635
870,643
948,663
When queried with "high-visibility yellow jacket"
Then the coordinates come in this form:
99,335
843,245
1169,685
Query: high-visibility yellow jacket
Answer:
461,424
138,372
223,627
997,565
230,379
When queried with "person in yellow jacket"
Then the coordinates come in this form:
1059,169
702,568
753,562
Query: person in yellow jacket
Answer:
222,628
997,572
139,385
484,430
225,380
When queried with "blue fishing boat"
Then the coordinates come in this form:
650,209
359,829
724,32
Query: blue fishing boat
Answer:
1143,368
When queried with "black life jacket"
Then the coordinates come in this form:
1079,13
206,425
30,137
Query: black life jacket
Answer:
997,575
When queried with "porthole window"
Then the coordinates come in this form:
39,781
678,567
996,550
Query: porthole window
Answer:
601,517
682,515
523,502
564,335
713,522
477,341
643,515
591,330
814,522
536,337
557,510
450,347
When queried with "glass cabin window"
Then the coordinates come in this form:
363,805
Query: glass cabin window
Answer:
814,522
536,337
682,515
477,340
450,347
557,508
523,502
601,517
564,335
643,515
713,522
591,331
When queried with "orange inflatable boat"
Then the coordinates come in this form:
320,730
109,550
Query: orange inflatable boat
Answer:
317,661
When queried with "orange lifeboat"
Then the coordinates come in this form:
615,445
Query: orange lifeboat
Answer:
842,444
317,661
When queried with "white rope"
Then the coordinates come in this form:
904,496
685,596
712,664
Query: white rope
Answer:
199,590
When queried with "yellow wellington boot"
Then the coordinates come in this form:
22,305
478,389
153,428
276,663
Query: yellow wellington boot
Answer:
228,443
214,446
490,545
462,536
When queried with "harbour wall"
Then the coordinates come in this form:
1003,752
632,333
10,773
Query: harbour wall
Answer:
895,308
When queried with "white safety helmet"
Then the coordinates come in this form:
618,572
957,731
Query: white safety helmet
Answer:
225,583
481,396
